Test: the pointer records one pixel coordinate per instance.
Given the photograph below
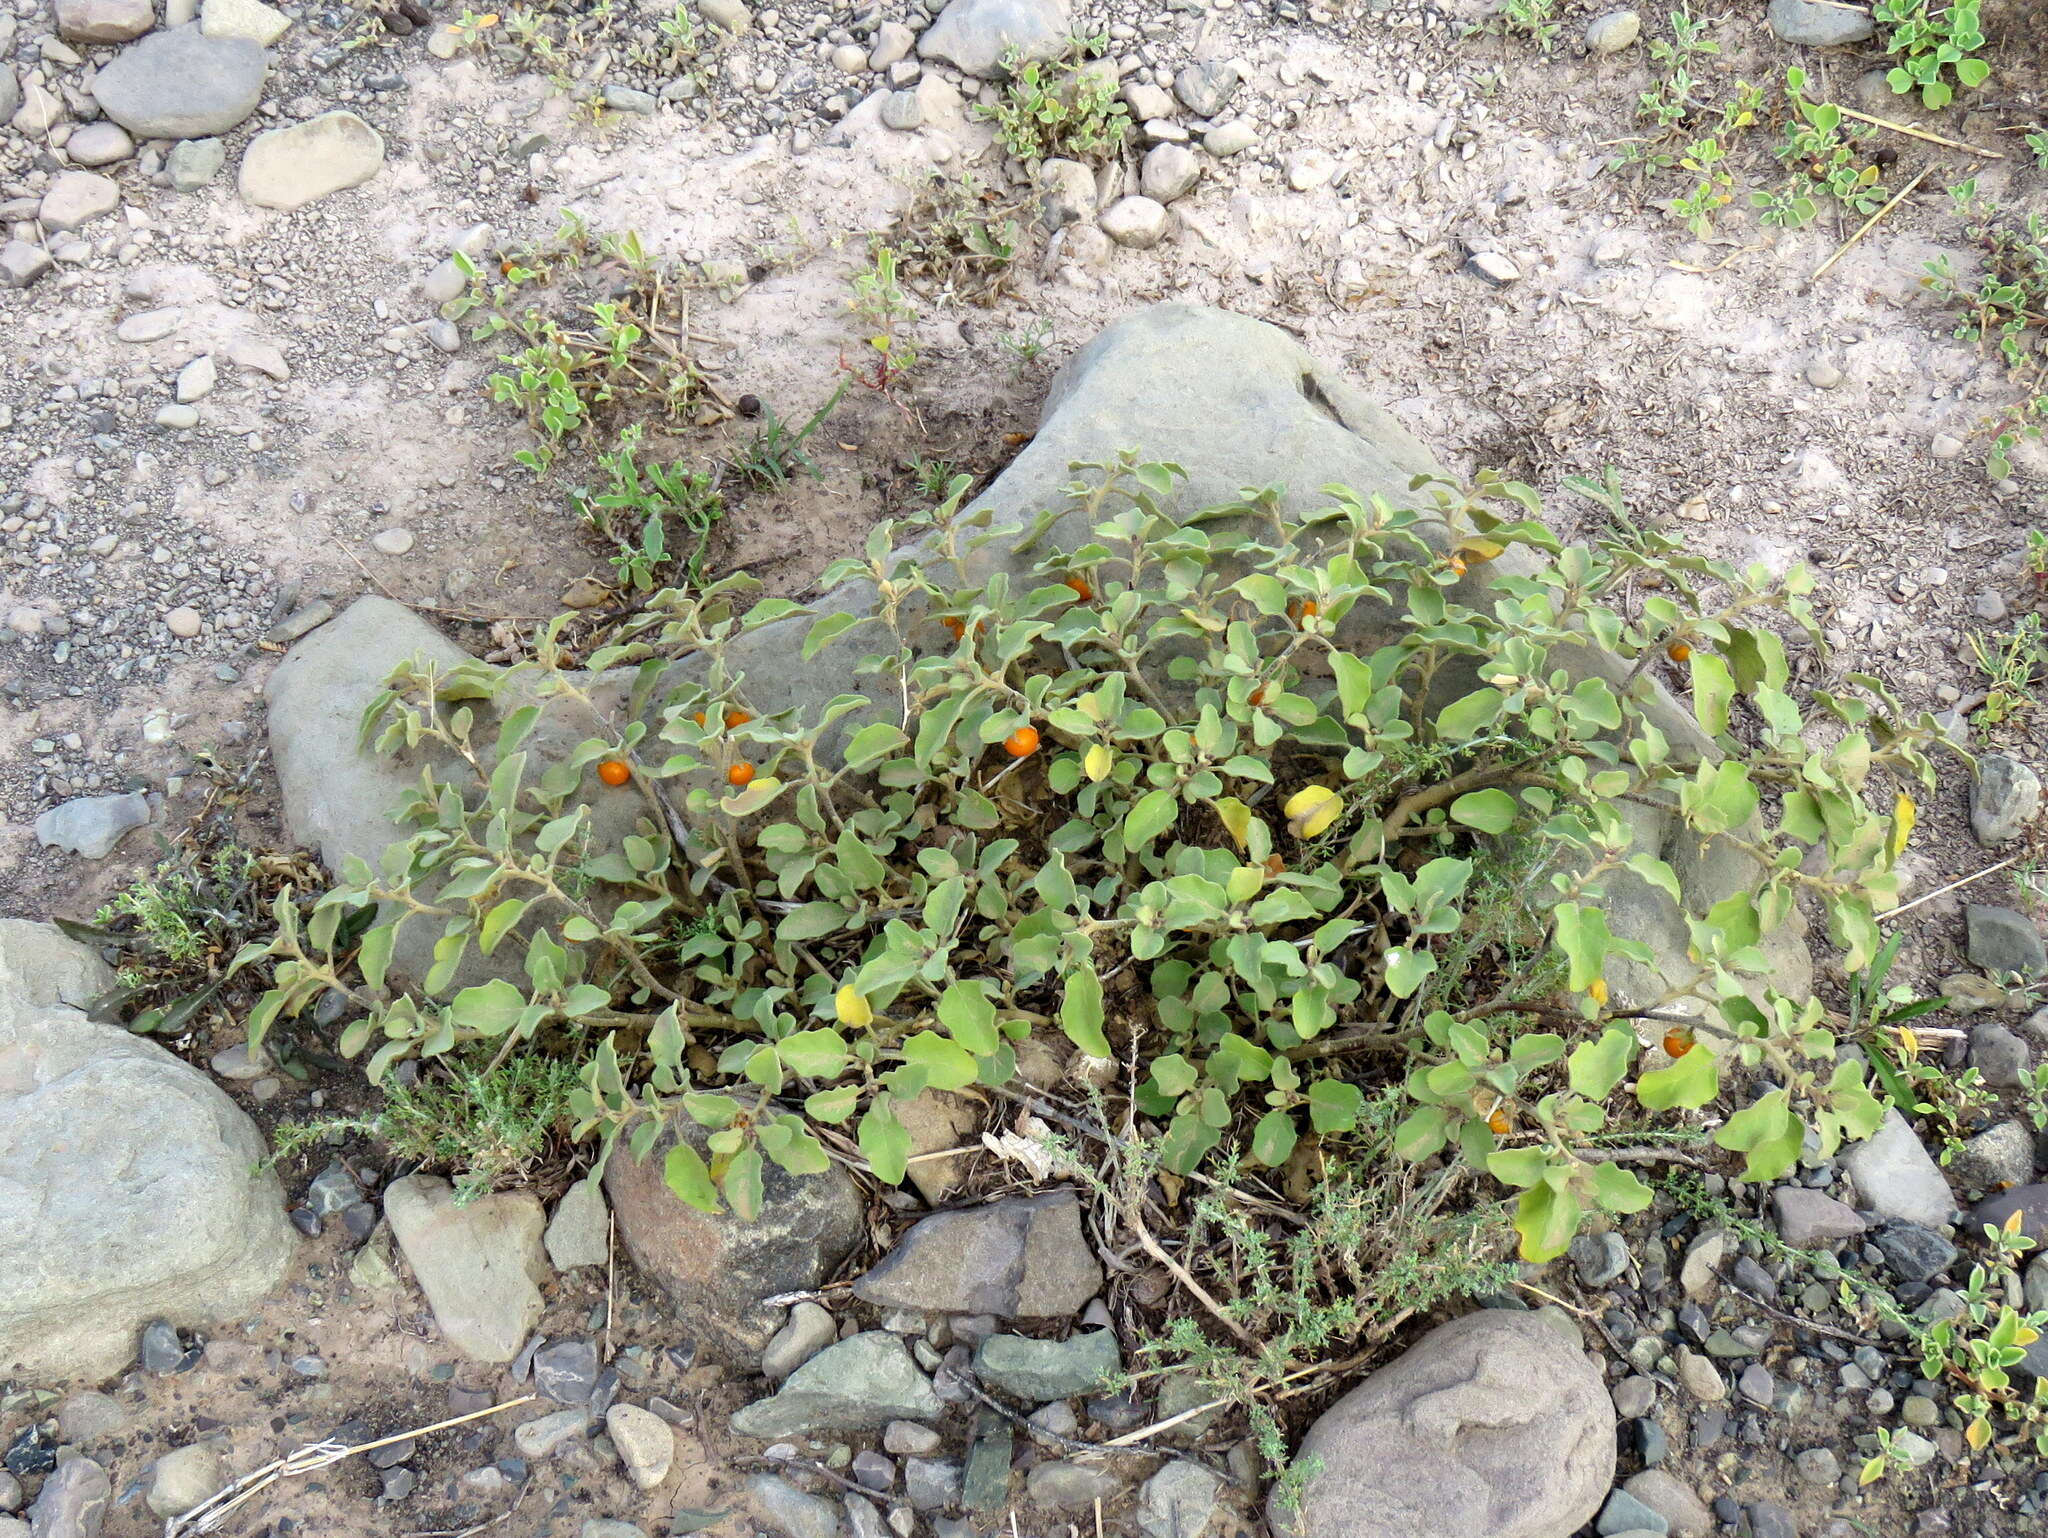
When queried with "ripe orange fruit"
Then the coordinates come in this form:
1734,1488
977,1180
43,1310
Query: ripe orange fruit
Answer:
1301,608
1457,565
613,772
698,718
736,718
1678,651
1021,743
1677,1042
1498,1122
959,630
740,776
1081,588
1263,693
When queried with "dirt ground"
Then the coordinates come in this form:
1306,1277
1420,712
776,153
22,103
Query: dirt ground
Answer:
1772,415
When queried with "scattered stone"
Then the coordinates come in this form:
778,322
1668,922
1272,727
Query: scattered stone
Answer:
99,144
1599,1258
1310,168
1495,268
567,1371
1757,1385
1066,192
579,1234
1807,1219
791,1512
1635,1397
1169,172
979,36
479,1265
1819,1467
646,1444
810,1330
1022,1258
195,382
859,1384
92,825
1699,1275
2000,1156
21,263
716,1269
1822,374
1232,138
903,111
104,21
182,1479
1914,1253
73,1502
252,19
2003,940
730,16
76,198
290,167
400,542
194,163
1136,221
1205,89
333,1190
539,1437
1623,1513
1684,1513
1700,1378
1490,1424
1613,32
1064,1486
2029,1201
2004,798
1178,1501
1818,26
179,418
1897,1178
2001,1057
907,1439
893,42
624,98
931,1484
181,84
1039,1370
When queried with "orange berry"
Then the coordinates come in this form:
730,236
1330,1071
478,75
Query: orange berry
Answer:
1677,1042
736,718
1263,693
1678,651
1081,588
613,772
1498,1122
1457,565
1021,743
959,629
740,776
1302,608
698,718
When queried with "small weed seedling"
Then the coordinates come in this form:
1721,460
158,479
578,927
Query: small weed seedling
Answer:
1027,344
637,505
1824,151
1930,38
1537,20
2013,665
885,312
1059,111
2008,310
1978,1348
957,238
774,453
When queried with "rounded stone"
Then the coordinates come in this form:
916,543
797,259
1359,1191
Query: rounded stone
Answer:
1613,32
181,84
392,541
183,622
288,168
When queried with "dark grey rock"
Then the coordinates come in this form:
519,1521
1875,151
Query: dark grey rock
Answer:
1065,1486
1178,1501
1897,1178
2001,1155
1767,1519
931,1484
861,1384
2004,798
1599,1258
162,1351
1205,89
2003,940
1808,1219
333,1189
2001,1057
1623,1513
1023,1258
789,1511
2029,1201
181,84
1039,1370
567,1371
1756,1385
1915,1254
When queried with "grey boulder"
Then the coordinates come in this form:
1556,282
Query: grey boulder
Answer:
717,1268
982,36
181,84
131,1187
73,1501
104,21
1897,1178
287,168
480,1265
861,1384
1806,1218
2004,798
92,825
1023,1258
2004,940
1493,1423
1043,1370
1818,26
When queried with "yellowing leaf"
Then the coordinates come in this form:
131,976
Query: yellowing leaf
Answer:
1904,814
1311,810
1098,761
853,1006
1237,818
1978,1434
1909,1042
1597,990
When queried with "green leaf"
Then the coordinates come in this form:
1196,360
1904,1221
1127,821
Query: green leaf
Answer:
1689,1083
374,955
813,921
1273,1138
743,1184
685,1174
490,1008
873,743
1768,1131
886,1143
1619,1190
966,1010
1546,1218
1597,1066
1490,811
1081,1011
946,1064
1334,1106
1150,816
1518,1167
1355,686
1469,717
1406,967
814,1054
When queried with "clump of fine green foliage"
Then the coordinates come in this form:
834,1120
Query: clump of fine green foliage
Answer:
1276,807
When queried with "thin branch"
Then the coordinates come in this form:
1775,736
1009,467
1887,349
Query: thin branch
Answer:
1917,133
1869,224
1927,897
